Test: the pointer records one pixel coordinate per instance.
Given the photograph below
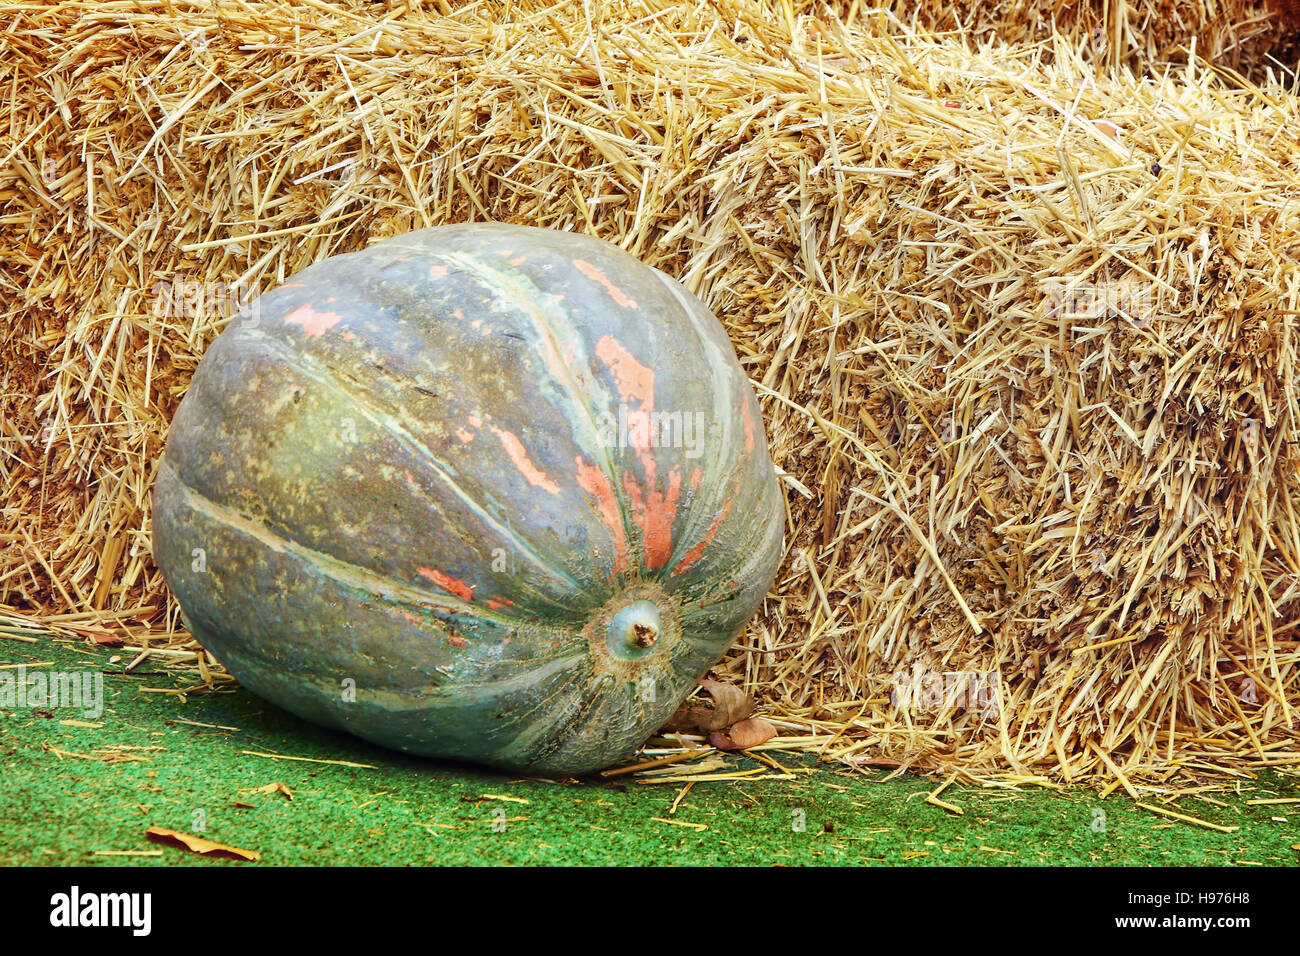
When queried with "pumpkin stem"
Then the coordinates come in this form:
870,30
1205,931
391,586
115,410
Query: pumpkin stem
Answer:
643,635
633,635
633,629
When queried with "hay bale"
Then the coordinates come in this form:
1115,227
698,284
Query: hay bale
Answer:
1024,332
1239,34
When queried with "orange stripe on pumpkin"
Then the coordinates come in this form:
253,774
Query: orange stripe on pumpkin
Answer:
449,584
314,323
635,382
593,481
519,455
595,275
749,428
654,513
693,555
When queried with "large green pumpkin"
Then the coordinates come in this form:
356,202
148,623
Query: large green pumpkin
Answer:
483,492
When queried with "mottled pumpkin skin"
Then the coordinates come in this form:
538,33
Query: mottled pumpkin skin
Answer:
396,500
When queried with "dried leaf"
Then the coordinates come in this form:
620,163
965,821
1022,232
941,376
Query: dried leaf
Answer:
195,844
100,636
269,788
743,735
751,733
730,704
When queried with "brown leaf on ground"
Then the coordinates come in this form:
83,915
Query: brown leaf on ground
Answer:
195,844
743,735
100,636
751,732
270,788
730,705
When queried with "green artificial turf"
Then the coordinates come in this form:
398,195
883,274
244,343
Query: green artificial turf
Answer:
70,790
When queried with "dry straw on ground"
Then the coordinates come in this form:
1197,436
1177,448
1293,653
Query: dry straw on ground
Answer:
1024,332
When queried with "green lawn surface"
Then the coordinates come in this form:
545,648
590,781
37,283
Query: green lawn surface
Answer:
78,790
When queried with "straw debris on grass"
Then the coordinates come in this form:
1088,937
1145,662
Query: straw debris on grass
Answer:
1023,329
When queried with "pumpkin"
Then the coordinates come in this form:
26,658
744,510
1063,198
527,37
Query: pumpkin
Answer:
483,492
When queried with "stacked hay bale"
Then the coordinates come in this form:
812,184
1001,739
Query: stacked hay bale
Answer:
1238,34
1024,331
